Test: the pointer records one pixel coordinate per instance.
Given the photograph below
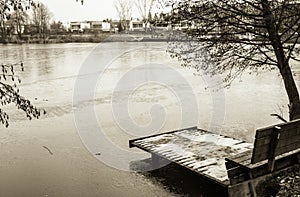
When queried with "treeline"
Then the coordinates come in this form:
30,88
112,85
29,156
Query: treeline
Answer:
24,25
27,21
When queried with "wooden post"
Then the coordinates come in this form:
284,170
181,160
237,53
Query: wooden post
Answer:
155,161
251,186
273,144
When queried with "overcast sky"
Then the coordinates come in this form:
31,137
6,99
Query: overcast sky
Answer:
70,10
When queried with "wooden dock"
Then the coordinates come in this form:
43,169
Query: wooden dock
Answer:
195,149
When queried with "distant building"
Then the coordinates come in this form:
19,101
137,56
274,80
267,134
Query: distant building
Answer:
114,25
163,26
96,26
137,25
79,26
106,26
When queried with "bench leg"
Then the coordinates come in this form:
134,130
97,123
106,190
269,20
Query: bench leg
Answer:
252,189
155,160
251,186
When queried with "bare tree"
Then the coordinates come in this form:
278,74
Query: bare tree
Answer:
144,7
124,9
57,27
41,18
4,17
18,19
240,36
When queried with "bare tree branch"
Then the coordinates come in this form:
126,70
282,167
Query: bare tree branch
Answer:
240,36
124,9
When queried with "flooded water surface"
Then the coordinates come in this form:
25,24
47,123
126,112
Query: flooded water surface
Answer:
133,85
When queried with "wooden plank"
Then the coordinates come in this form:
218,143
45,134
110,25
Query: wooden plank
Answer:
169,154
290,125
285,162
179,158
140,147
265,151
280,163
242,146
208,164
285,126
175,157
202,170
146,145
258,156
246,161
289,140
164,151
201,165
287,137
287,133
260,133
263,154
288,148
238,179
185,160
238,158
235,171
279,158
170,132
192,165
189,162
240,155
260,142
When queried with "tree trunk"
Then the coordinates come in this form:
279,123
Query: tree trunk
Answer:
3,36
292,91
3,31
283,63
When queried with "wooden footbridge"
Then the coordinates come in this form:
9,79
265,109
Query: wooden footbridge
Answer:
227,161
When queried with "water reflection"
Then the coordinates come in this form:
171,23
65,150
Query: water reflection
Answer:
51,70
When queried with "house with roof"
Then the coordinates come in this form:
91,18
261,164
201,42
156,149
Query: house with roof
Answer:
79,27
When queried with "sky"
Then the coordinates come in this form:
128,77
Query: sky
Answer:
70,10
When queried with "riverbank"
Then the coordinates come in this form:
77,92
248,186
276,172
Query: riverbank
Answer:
89,38
285,183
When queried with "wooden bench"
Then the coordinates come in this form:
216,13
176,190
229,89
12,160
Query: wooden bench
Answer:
275,148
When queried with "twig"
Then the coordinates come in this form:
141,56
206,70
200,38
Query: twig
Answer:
45,147
279,117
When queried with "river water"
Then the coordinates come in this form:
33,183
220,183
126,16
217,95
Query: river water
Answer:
78,165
